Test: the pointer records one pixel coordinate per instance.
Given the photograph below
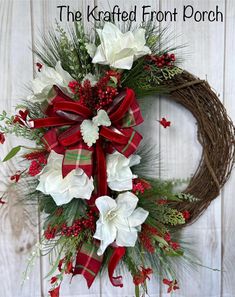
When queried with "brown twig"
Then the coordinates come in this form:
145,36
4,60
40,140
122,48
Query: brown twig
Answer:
216,133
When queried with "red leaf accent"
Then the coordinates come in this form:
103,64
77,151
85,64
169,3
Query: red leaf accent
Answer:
165,123
2,138
39,66
55,292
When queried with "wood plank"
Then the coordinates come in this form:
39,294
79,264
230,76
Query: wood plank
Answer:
180,151
18,230
228,208
44,15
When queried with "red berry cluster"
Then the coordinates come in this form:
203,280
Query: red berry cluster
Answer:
146,237
186,215
37,165
74,86
163,60
104,92
175,245
85,94
79,225
99,96
140,185
106,96
50,232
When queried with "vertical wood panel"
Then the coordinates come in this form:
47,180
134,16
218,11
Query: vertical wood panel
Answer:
179,147
228,218
18,230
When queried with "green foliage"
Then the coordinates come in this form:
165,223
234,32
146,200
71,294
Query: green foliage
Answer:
186,197
70,49
151,80
8,126
70,211
12,153
130,261
35,109
169,216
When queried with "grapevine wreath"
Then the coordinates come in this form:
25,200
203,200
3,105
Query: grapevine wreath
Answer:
87,169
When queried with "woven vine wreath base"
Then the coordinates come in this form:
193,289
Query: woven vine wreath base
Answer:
216,134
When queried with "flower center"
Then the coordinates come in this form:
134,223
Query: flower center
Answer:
111,214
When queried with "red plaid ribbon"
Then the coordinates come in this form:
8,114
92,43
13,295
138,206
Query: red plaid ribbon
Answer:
88,263
64,136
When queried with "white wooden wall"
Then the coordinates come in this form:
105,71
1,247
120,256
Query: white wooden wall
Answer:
210,55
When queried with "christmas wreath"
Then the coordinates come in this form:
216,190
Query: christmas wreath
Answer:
88,169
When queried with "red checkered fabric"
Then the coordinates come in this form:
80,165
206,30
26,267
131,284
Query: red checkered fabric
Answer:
80,156
88,263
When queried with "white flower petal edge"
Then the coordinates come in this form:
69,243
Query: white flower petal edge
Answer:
117,49
119,220
46,78
75,185
119,174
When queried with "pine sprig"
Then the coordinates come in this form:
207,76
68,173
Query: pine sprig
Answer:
9,126
69,48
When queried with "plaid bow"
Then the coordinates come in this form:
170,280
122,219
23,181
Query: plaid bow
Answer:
64,136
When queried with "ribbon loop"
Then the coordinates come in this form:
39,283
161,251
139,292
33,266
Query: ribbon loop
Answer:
62,112
74,107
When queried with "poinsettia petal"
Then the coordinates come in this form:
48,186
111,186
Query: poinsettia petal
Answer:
126,203
134,160
138,217
75,185
104,205
124,63
122,185
126,238
106,233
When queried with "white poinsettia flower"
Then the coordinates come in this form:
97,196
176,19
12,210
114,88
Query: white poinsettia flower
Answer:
117,49
75,185
46,78
119,174
119,220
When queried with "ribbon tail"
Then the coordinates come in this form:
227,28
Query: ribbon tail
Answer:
102,186
88,263
117,255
